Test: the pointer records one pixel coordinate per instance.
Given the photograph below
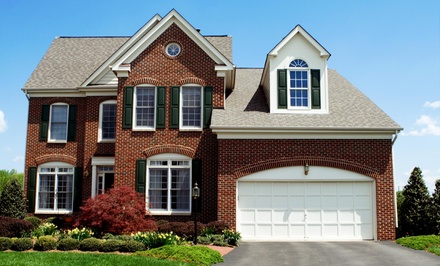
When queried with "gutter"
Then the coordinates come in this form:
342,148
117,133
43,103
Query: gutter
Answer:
395,137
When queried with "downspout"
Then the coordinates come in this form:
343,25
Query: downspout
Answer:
395,137
394,181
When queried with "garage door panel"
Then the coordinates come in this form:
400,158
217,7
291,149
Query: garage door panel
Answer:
305,210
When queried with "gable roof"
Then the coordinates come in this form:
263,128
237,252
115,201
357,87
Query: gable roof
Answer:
246,110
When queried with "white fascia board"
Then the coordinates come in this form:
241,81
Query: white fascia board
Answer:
157,30
103,160
102,70
271,133
100,90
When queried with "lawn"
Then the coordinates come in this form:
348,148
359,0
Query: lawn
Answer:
75,259
430,243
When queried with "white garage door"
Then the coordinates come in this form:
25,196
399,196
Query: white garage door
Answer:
305,210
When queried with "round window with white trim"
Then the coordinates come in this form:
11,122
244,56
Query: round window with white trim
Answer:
173,49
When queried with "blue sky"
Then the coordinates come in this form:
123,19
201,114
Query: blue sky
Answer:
390,50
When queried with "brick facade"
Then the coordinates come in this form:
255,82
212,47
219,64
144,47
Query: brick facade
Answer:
372,158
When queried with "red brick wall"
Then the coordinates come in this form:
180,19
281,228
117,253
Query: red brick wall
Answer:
154,66
373,158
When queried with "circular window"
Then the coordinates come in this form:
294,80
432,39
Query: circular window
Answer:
173,49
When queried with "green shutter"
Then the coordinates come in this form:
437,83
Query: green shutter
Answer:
127,115
77,188
316,88
160,107
207,107
174,114
31,188
71,127
44,122
141,175
282,88
196,170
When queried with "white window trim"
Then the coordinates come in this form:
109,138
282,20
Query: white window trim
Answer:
144,128
99,161
309,89
190,128
55,210
101,106
49,137
169,157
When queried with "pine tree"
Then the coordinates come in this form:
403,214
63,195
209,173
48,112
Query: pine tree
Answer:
413,214
435,208
12,202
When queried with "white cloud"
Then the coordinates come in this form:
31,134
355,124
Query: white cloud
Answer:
3,124
430,126
18,159
433,105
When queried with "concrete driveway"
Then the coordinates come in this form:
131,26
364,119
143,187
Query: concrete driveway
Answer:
328,253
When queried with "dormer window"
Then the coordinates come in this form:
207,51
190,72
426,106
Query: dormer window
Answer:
299,89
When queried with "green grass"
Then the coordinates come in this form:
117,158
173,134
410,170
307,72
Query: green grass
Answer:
429,243
76,259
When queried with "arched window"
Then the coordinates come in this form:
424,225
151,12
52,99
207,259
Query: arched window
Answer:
298,63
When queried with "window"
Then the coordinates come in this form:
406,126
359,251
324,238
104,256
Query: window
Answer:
298,84
191,107
169,184
107,121
105,179
55,188
58,122
144,117
173,49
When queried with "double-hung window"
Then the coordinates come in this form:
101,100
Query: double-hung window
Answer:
107,121
299,85
169,184
144,106
59,114
55,185
191,107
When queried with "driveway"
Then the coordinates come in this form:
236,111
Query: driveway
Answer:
328,253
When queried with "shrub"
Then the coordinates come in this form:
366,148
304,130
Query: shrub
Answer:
131,246
184,230
231,237
156,239
12,202
46,229
120,211
110,245
419,242
58,221
22,244
80,234
5,243
11,227
217,227
197,255
66,244
204,240
35,221
45,243
90,244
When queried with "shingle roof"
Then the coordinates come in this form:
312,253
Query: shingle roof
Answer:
69,61
246,107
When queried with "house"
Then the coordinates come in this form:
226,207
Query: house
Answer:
292,151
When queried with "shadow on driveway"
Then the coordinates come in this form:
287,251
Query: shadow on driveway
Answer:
328,253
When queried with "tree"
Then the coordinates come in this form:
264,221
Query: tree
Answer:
12,202
413,212
119,211
7,176
435,208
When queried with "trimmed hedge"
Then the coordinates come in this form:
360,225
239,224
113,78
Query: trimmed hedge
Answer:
66,244
131,246
22,244
5,243
110,245
12,227
35,221
90,244
46,243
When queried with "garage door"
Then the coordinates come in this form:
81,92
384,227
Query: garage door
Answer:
305,210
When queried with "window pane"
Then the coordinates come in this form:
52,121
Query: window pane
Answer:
299,88
158,189
108,126
65,191
191,106
145,99
46,194
180,189
58,124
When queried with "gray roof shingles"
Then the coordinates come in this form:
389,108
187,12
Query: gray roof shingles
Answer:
349,108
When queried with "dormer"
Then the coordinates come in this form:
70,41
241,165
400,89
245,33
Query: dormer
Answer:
295,75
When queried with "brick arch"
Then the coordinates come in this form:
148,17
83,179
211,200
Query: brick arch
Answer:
55,158
192,80
145,80
170,148
311,161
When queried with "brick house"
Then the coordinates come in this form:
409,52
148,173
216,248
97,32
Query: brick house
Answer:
291,151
